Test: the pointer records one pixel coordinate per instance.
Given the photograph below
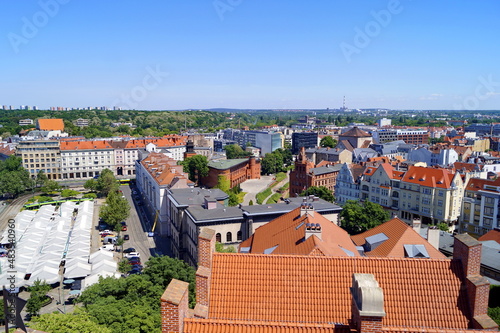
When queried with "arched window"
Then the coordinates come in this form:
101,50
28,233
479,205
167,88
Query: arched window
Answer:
229,237
218,237
238,236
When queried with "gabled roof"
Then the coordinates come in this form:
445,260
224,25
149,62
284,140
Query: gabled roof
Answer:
399,234
356,132
356,170
86,145
346,144
316,289
164,169
50,124
287,232
477,184
467,166
492,235
321,170
431,177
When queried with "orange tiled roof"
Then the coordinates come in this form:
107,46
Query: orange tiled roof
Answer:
467,166
287,232
166,141
431,177
50,124
476,184
316,289
86,145
399,234
163,169
234,326
493,235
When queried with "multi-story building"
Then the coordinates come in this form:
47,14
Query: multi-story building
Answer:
434,156
80,122
85,159
433,195
348,180
24,122
155,174
306,174
381,184
303,140
336,155
191,210
235,170
481,206
407,135
41,155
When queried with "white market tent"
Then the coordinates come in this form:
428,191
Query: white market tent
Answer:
77,270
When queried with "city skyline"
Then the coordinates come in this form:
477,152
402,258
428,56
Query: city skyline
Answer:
251,55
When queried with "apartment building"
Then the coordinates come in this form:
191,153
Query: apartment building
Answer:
157,173
347,186
433,195
24,122
481,206
84,159
381,184
407,135
304,140
41,155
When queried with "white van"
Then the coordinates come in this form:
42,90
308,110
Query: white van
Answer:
109,247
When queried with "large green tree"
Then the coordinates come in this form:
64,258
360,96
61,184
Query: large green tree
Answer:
38,296
356,218
196,166
106,183
321,192
14,179
77,321
328,141
115,210
235,151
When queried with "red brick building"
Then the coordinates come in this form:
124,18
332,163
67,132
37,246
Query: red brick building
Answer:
306,174
236,170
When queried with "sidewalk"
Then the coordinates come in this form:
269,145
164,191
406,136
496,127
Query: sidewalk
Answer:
254,186
277,186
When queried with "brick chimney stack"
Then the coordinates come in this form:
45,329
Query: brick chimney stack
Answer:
468,251
206,248
367,304
174,306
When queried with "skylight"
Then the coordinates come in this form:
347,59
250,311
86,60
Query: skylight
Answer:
270,250
415,251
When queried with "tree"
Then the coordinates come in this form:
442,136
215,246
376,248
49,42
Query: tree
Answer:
77,321
37,297
123,266
219,247
116,210
14,179
119,242
356,218
50,186
223,183
328,141
321,192
91,185
196,166
287,156
40,179
67,193
106,183
250,203
235,151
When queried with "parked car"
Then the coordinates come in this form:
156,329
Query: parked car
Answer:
108,247
132,254
136,261
129,250
137,266
126,237
105,232
124,228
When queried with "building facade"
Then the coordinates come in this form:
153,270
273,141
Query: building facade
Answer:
303,140
41,155
481,206
235,170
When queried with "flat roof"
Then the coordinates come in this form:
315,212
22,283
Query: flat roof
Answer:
195,196
226,164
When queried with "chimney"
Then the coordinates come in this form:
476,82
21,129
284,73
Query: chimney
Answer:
210,203
313,229
174,306
416,224
468,251
433,237
306,209
206,247
367,304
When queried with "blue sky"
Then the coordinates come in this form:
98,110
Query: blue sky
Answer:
178,54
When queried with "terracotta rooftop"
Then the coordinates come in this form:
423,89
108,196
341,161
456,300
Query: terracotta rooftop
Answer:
493,235
431,177
467,166
398,235
164,169
356,132
286,235
316,289
50,124
86,145
476,184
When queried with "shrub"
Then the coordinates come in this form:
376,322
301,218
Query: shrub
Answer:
90,195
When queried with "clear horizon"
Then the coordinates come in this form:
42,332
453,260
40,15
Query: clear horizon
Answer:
236,54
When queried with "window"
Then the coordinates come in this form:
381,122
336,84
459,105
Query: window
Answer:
440,203
426,190
488,211
489,200
218,238
440,193
239,236
487,222
229,237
